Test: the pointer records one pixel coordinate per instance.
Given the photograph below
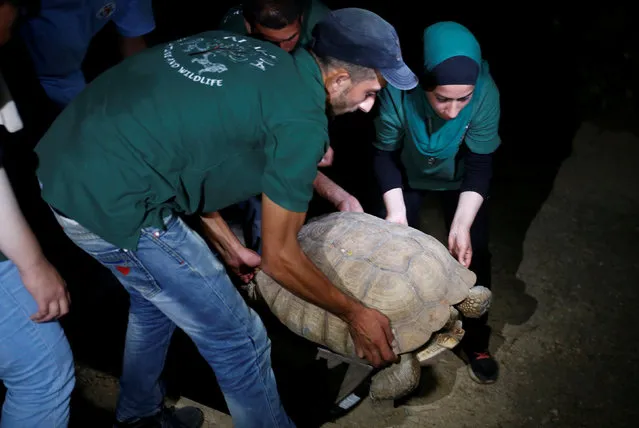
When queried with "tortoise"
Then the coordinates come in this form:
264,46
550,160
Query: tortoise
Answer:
404,273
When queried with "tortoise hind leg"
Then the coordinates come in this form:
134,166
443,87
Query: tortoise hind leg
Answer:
397,380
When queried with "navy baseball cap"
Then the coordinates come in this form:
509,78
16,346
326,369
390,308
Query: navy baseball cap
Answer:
361,37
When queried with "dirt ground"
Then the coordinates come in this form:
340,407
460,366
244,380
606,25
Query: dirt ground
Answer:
564,227
565,287
562,322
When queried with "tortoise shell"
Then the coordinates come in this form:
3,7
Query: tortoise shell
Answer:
406,274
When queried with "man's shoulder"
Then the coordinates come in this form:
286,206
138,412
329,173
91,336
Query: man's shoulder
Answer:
233,20
315,12
307,68
232,50
318,10
223,61
98,9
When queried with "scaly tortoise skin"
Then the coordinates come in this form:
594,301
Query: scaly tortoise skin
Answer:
406,274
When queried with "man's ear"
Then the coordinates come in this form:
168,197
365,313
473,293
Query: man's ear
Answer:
337,81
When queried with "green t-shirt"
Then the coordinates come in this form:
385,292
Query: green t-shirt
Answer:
193,126
479,133
316,10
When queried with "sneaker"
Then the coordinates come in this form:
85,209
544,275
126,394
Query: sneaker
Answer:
168,417
482,367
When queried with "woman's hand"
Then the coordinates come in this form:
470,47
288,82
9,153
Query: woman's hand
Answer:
459,243
395,206
460,246
399,218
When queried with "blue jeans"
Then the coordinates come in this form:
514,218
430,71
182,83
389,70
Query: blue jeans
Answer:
36,363
249,215
173,279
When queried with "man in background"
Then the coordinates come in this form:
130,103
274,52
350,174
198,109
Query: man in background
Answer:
59,34
287,24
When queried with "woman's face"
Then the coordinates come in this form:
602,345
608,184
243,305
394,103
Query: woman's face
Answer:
449,100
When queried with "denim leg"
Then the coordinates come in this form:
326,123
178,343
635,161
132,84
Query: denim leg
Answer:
254,223
197,294
148,332
174,270
250,217
36,363
148,336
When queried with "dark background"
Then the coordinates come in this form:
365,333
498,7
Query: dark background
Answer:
555,67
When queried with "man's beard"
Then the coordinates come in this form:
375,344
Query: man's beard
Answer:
340,104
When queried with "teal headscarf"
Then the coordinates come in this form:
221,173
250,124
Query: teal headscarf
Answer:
434,136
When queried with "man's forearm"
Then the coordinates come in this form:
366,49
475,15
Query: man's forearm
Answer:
220,234
129,46
328,189
284,260
298,274
467,208
17,241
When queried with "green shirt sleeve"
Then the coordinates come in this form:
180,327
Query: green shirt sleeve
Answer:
389,129
483,133
297,133
292,154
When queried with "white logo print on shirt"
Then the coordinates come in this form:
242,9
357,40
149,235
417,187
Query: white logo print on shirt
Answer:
226,48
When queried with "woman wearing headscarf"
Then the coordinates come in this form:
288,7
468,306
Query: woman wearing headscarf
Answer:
440,137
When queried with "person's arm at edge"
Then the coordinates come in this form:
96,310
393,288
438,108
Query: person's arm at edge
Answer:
19,244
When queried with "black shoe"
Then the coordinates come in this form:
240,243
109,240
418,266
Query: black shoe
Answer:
168,417
482,367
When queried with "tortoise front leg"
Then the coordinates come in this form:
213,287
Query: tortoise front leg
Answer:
477,302
397,380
